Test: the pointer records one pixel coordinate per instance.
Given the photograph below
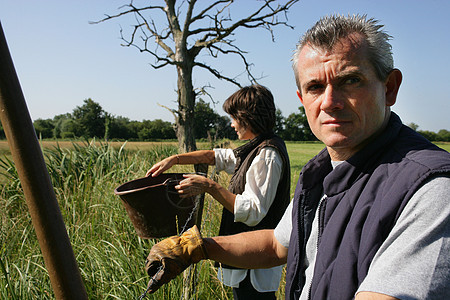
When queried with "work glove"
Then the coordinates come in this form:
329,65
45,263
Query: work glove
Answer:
172,256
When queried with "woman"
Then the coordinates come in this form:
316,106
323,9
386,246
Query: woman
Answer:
258,193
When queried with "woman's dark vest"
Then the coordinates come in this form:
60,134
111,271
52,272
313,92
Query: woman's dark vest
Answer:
244,158
365,196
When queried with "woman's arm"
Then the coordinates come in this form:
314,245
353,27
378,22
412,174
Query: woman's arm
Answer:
195,157
263,177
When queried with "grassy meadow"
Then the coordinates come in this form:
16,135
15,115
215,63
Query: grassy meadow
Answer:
109,253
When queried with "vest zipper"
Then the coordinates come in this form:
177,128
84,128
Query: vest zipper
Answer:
319,223
300,228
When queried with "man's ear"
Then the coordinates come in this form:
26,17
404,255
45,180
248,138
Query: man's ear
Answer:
392,85
300,96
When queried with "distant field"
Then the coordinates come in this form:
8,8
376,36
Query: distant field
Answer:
299,152
445,146
4,147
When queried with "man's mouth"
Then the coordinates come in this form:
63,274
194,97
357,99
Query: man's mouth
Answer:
335,122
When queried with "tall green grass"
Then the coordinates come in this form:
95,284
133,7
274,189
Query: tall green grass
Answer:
109,253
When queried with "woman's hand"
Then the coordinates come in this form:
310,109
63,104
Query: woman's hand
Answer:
192,185
163,165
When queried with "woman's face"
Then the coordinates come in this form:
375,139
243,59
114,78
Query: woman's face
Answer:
244,133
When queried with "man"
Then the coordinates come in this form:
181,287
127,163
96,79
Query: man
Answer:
370,215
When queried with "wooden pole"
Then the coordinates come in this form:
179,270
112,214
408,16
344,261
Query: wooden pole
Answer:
40,197
190,274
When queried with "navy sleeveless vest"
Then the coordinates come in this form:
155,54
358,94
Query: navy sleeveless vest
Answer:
365,196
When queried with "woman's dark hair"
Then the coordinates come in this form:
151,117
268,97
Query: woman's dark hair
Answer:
252,106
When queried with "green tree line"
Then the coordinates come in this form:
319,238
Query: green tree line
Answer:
90,120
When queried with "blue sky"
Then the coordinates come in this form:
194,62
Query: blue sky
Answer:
61,59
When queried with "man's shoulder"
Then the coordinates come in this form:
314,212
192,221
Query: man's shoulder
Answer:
410,146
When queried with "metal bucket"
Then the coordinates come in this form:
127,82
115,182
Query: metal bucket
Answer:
154,206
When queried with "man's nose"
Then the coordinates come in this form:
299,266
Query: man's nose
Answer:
332,99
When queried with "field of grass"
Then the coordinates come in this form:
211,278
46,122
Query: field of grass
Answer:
109,253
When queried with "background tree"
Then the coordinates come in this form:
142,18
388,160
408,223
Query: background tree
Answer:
156,130
90,118
108,119
224,129
205,119
279,123
64,126
208,124
119,129
187,31
44,128
296,127
443,135
413,126
429,135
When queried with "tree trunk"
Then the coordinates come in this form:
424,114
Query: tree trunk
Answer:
186,103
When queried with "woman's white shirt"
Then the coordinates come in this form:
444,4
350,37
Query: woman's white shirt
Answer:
251,207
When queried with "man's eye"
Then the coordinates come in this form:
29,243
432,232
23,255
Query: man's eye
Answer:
314,87
352,80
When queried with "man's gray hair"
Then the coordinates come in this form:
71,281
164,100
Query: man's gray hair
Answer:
328,30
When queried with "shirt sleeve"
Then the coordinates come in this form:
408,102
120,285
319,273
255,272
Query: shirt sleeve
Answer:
283,230
414,261
225,160
262,180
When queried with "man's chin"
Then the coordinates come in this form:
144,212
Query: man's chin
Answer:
337,141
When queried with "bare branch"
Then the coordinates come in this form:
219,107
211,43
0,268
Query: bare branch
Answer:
109,17
204,92
188,19
239,53
204,14
265,17
267,20
131,43
141,28
158,38
174,112
217,74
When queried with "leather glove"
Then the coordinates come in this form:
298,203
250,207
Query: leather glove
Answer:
172,256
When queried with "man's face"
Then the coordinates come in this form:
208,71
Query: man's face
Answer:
344,100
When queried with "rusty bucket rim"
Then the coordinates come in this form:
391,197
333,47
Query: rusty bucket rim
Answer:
136,190
117,192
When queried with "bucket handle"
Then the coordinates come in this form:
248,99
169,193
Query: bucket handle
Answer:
171,182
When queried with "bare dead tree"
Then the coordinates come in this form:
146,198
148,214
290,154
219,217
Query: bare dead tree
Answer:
187,30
